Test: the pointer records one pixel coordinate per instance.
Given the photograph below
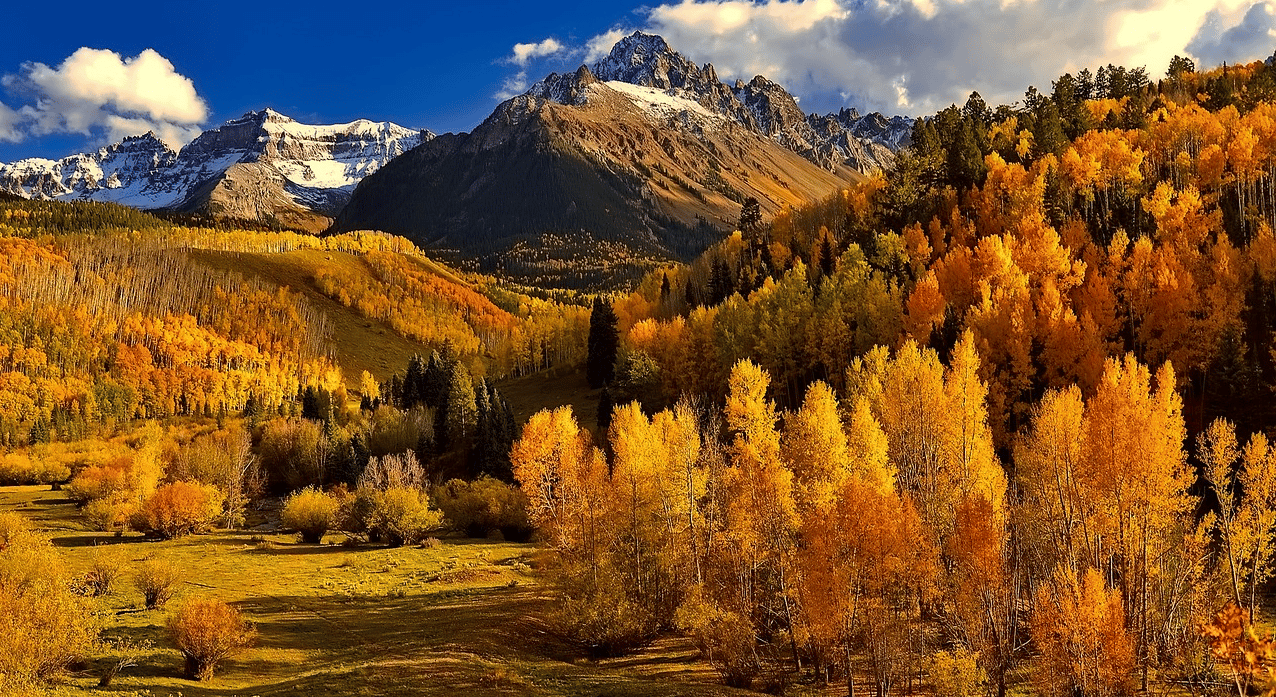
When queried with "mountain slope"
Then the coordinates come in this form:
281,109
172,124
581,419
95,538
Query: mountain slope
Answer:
263,166
579,181
590,177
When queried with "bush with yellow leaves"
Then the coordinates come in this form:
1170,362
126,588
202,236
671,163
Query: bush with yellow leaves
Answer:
44,626
311,513
208,631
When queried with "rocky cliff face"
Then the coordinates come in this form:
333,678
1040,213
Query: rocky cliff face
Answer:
300,174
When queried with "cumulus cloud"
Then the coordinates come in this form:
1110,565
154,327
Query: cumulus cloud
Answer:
1254,36
523,53
98,92
9,120
918,56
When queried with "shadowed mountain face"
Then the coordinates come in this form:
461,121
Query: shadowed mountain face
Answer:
262,167
592,176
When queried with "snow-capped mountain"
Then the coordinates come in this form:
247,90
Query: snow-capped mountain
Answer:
866,144
261,165
591,176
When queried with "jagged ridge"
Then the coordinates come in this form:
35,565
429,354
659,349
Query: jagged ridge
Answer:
261,165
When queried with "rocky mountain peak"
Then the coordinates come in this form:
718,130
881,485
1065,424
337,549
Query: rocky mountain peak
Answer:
564,88
646,60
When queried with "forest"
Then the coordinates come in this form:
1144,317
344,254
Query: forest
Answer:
994,421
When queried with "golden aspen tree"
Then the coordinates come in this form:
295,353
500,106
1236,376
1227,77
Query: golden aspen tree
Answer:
1056,517
565,480
914,413
1078,626
761,515
968,450
983,599
869,448
1134,439
1244,522
638,475
814,447
864,566
680,432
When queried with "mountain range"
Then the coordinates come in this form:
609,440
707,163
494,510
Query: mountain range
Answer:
262,166
640,157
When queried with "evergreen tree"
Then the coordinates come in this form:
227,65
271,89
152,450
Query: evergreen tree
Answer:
604,339
1179,66
750,216
1048,133
359,457
965,159
828,263
40,432
311,408
460,419
436,378
413,381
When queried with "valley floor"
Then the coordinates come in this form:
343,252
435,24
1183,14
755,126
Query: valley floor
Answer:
463,617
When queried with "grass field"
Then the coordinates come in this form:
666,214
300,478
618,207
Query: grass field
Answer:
463,617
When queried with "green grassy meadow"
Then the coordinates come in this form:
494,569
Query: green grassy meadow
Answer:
460,617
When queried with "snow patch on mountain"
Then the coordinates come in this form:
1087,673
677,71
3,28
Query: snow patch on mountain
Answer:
664,83
145,173
663,104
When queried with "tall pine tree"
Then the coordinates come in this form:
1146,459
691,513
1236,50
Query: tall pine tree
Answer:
600,366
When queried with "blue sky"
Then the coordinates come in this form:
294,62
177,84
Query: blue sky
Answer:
424,65
82,74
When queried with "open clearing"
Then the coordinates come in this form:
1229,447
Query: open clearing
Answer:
462,617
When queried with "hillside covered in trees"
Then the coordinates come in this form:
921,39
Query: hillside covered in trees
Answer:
998,417
994,421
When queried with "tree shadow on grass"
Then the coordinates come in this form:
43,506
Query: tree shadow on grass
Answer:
278,548
104,539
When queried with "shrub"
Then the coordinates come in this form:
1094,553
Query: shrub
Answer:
100,481
403,516
44,627
157,579
208,631
310,512
135,472
106,565
485,506
181,508
21,468
725,637
956,673
597,614
111,513
356,512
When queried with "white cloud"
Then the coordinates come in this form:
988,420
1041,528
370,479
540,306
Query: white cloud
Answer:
100,92
918,56
599,46
1229,40
9,120
523,53
513,86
